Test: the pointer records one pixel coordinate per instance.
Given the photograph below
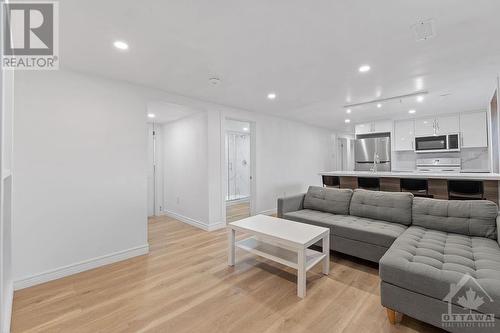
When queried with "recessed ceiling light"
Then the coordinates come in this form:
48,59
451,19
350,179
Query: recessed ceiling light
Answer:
420,99
412,111
364,68
245,129
151,115
120,45
347,121
348,111
379,105
271,96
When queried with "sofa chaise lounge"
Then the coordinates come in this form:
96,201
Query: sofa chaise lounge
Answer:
439,260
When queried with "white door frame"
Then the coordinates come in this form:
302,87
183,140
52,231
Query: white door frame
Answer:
157,170
341,157
253,141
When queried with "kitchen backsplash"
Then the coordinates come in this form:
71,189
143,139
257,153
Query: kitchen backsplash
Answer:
473,159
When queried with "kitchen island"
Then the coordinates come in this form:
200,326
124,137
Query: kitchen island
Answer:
439,185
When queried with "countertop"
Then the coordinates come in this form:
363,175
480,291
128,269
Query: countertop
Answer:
415,174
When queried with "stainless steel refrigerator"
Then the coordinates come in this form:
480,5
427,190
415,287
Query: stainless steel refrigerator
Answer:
369,150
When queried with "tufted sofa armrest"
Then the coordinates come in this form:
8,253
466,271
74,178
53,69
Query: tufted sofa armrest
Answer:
290,204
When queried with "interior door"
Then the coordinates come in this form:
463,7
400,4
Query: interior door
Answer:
342,154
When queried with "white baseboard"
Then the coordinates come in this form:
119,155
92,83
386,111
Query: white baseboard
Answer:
216,226
7,311
80,267
193,222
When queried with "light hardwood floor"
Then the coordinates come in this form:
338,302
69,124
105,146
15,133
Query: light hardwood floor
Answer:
185,285
237,211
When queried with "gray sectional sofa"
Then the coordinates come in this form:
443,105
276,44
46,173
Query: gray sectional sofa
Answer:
439,260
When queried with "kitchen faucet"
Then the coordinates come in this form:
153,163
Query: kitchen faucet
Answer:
376,162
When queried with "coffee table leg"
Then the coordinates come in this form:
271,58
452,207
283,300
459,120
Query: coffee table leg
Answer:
301,273
326,252
231,238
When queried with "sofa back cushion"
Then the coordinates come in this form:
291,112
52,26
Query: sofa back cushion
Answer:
386,206
331,200
471,217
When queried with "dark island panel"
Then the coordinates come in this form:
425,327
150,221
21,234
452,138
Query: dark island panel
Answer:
433,188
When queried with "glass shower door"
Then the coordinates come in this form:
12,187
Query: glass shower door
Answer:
238,166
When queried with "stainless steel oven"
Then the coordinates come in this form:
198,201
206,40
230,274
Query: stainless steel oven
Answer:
437,143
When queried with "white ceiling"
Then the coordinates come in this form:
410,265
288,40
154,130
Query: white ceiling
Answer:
308,52
166,112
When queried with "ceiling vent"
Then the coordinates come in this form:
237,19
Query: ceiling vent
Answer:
424,30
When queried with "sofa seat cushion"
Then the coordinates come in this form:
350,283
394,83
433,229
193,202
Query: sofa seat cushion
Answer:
471,218
429,261
330,200
366,230
311,216
352,227
386,206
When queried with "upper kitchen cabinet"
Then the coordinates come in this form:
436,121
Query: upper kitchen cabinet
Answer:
364,128
373,127
437,125
404,135
474,130
448,124
425,126
382,127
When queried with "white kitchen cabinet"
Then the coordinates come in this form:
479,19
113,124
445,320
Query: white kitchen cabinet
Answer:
382,126
448,124
404,135
474,130
437,125
373,127
365,128
424,126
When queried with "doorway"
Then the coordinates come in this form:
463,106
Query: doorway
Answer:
152,157
345,154
238,164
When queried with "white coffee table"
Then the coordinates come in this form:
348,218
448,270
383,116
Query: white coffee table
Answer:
282,241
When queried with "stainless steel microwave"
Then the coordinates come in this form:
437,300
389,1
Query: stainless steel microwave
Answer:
437,143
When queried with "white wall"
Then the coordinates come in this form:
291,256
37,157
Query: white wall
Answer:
6,181
185,169
80,165
288,157
80,196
